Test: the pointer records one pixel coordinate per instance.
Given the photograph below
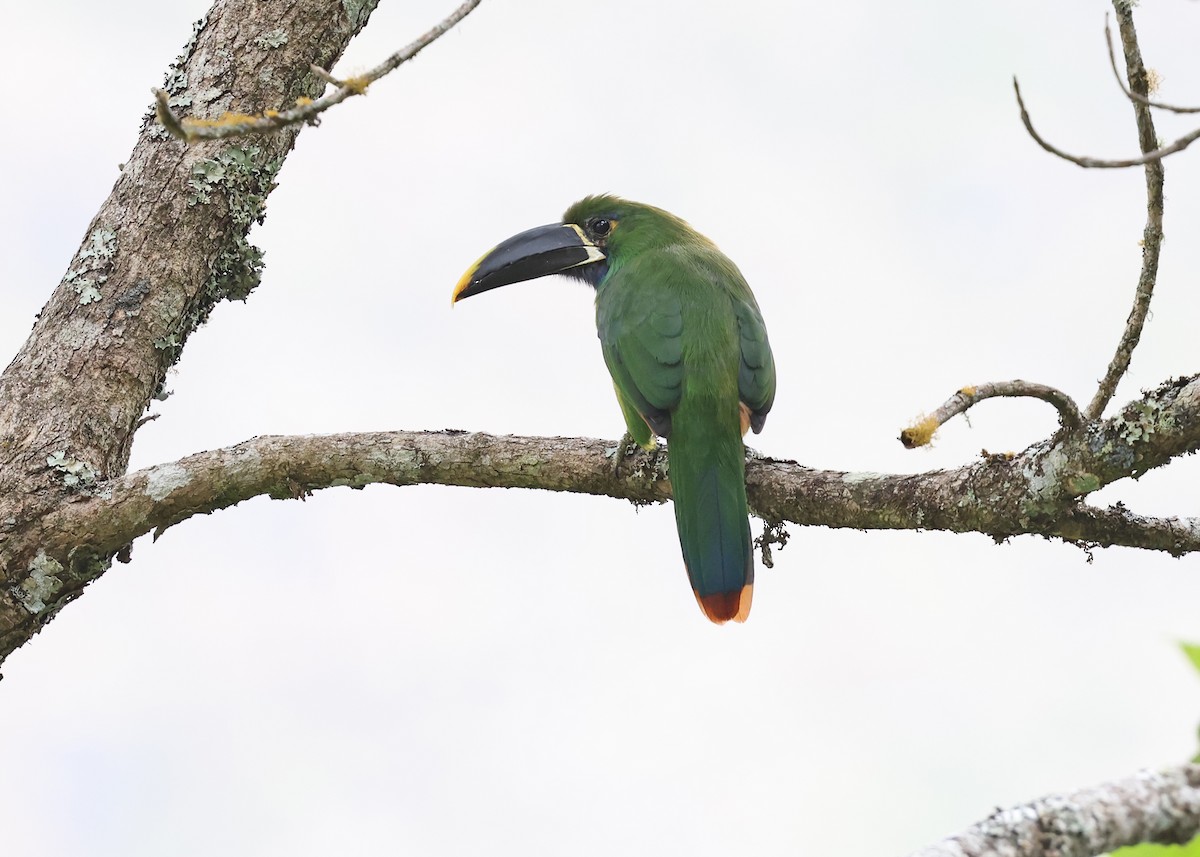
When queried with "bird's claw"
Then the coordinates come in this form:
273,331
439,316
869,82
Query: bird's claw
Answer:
625,446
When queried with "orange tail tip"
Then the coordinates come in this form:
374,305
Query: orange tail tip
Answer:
720,607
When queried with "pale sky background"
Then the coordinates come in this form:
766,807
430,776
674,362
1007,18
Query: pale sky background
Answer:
444,671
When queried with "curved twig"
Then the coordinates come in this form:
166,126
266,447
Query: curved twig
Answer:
1136,96
1152,234
920,433
305,110
1162,807
1152,155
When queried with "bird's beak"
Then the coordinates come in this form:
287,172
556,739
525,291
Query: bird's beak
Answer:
531,254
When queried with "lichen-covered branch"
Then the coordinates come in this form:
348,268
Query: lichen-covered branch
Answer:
921,432
1162,807
305,110
1037,492
1174,535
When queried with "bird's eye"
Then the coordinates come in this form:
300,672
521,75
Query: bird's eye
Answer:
601,226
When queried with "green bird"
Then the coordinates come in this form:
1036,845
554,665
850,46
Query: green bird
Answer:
687,349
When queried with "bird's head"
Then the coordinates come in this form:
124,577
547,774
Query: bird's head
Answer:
594,233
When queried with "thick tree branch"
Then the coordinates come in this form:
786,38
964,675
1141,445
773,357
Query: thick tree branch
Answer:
921,433
306,110
151,500
1035,492
1159,807
1152,234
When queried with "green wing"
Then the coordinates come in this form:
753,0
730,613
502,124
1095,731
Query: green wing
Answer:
640,332
756,372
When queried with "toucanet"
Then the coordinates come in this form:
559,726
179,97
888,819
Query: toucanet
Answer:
686,346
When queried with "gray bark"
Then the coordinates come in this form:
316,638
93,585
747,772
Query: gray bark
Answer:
1149,807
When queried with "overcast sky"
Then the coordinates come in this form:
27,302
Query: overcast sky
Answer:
442,671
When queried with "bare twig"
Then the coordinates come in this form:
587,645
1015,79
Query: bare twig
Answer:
1137,96
1161,807
1152,155
921,432
305,110
1152,234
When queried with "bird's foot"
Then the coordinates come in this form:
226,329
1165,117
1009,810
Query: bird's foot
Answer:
624,448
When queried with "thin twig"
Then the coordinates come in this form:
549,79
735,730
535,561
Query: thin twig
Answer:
305,110
1152,155
1136,96
1152,234
921,432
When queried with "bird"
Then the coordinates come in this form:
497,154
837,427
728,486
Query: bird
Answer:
685,343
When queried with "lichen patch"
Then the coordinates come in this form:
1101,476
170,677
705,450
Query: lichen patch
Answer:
37,590
164,479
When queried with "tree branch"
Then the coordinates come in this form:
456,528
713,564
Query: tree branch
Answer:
306,110
921,432
1152,234
1040,486
1036,492
152,500
1159,807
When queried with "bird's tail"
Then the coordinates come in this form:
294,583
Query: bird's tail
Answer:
708,480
